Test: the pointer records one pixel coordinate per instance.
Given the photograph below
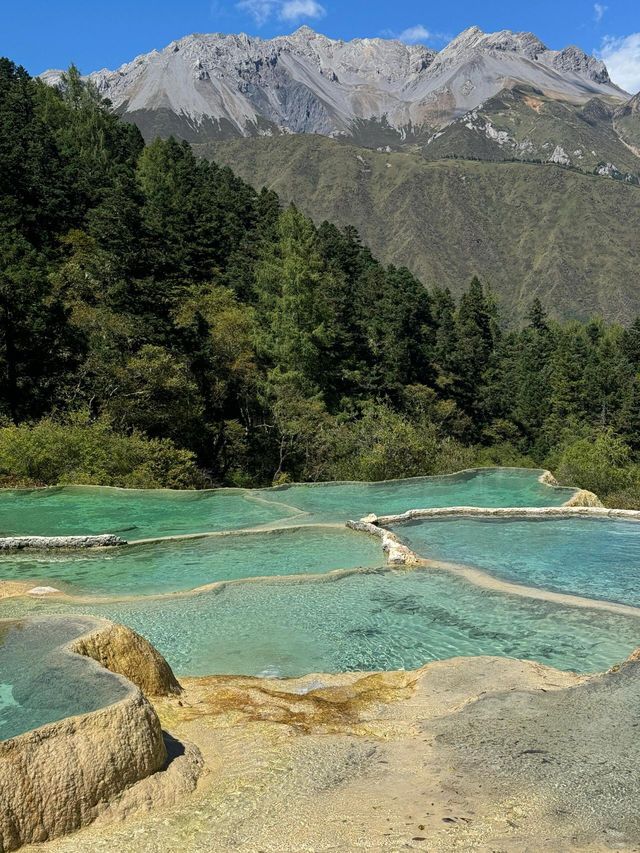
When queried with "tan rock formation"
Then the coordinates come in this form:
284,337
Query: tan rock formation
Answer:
548,479
63,775
121,650
58,777
397,553
584,498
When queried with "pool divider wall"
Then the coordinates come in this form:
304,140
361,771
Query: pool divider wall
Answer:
397,553
62,775
505,512
18,543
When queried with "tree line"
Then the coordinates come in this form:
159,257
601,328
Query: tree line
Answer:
164,324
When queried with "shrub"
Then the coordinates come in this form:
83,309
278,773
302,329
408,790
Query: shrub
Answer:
601,465
80,451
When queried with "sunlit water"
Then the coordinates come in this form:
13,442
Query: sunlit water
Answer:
380,620
141,514
175,565
39,683
596,558
375,619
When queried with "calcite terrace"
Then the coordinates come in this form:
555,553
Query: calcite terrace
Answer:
61,775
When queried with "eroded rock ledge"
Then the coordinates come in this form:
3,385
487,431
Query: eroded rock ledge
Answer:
465,754
63,775
18,543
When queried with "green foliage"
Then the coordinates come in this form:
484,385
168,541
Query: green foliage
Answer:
78,450
601,465
529,230
197,326
382,444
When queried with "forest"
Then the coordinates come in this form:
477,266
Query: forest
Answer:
162,324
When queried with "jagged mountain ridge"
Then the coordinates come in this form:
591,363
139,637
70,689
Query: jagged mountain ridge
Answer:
223,86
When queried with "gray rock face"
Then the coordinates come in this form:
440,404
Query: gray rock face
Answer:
18,543
208,86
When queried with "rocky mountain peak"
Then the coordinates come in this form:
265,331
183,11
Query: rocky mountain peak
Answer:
215,85
473,39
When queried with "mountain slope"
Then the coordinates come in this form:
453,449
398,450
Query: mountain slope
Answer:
524,124
221,86
530,230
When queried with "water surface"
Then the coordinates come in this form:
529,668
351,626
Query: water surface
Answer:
40,683
593,557
177,565
140,514
375,621
494,487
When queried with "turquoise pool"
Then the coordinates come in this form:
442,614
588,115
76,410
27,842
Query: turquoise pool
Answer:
176,565
493,487
40,683
378,620
373,619
141,514
592,557
131,513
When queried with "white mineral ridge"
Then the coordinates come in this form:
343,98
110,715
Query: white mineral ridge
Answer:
308,83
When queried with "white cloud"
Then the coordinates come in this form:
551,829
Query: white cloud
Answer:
418,34
622,58
295,10
414,34
260,10
285,10
598,11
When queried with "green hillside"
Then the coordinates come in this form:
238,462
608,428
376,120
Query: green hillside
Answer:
531,230
523,124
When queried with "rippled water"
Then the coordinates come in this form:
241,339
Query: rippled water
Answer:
592,557
379,620
375,619
140,514
176,565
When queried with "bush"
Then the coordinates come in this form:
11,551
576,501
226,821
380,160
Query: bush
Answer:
84,452
602,465
386,445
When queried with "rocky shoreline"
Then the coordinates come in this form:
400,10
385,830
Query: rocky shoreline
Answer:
466,754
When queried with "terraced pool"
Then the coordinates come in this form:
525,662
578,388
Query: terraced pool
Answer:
140,514
373,618
593,557
377,620
41,683
177,565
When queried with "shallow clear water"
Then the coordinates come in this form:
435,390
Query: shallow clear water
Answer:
176,565
40,684
489,488
596,558
131,513
375,619
378,620
141,514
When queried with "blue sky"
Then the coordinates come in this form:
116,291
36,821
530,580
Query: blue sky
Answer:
41,34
